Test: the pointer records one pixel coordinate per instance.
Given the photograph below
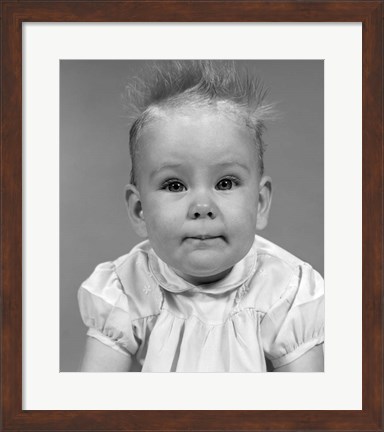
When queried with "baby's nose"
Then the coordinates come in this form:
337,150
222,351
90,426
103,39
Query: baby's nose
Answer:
202,210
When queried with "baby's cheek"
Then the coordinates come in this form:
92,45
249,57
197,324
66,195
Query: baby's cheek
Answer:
169,218
242,212
164,225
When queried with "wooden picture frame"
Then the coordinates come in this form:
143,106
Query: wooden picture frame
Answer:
14,13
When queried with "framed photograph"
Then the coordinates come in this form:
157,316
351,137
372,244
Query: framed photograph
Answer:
63,71
93,214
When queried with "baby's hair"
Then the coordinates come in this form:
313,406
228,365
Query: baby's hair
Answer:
217,84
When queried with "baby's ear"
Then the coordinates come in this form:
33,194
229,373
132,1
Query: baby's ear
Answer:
264,203
135,211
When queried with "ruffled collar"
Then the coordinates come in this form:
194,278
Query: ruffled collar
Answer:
169,280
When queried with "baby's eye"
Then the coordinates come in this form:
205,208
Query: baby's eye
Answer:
174,186
225,184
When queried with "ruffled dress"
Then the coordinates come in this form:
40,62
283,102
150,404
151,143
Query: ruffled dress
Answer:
270,306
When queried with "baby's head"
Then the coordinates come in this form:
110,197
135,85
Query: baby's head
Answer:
198,189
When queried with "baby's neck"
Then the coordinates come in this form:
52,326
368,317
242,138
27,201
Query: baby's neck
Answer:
202,280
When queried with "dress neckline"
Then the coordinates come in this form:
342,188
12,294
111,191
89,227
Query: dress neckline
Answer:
170,281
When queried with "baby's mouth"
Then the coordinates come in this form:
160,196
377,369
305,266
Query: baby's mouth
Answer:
204,238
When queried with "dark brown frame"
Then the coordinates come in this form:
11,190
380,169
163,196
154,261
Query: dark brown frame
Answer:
14,13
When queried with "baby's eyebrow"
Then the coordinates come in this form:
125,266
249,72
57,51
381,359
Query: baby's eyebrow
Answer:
230,164
215,165
165,166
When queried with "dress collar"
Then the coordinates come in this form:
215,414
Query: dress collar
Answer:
170,281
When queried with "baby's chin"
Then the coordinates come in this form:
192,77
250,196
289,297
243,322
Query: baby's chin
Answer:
204,265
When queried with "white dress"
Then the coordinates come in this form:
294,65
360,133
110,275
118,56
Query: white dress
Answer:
270,306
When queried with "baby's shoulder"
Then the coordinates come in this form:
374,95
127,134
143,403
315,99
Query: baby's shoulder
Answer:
134,264
131,275
278,274
268,252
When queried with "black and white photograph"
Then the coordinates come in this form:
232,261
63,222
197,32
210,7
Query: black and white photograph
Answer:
192,216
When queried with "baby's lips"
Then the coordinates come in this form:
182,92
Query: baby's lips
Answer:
203,236
200,234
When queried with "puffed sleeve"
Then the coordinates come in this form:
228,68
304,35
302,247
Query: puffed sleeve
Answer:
104,309
295,322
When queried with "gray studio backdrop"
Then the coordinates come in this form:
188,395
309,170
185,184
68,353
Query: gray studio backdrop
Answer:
95,167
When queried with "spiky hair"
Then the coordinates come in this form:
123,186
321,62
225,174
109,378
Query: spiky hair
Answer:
217,84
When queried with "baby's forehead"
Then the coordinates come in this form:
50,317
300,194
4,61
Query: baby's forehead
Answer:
198,109
194,108
194,117
211,126
207,139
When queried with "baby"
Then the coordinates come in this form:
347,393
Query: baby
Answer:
202,293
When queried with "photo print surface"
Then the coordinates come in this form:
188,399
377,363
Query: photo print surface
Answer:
191,216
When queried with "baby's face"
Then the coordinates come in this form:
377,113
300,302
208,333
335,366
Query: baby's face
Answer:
199,198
